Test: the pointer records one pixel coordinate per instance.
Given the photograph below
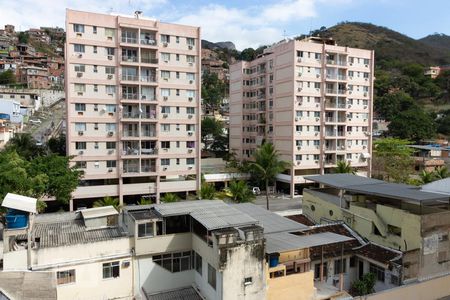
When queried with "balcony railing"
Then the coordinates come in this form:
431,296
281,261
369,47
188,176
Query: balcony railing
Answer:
131,134
148,169
149,60
147,133
131,169
129,40
131,151
130,96
151,42
331,91
130,58
131,115
148,97
148,78
149,151
130,77
149,115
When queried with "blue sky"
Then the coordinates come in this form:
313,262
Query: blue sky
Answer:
247,23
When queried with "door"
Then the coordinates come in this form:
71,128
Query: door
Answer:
360,269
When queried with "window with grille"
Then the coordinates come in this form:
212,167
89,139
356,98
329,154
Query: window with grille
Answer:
65,277
111,270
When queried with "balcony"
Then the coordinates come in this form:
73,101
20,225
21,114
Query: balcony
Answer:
149,115
150,41
148,78
342,92
131,115
130,59
148,133
148,169
149,60
130,151
129,40
131,134
148,97
149,151
131,169
130,96
129,77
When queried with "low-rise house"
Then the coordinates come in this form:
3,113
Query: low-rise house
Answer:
392,215
34,77
29,100
430,157
11,108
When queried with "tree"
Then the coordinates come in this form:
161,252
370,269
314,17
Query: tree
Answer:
25,145
413,124
441,173
343,166
7,77
108,201
426,176
207,191
393,158
57,145
267,165
363,286
248,54
213,91
169,197
145,201
240,191
389,105
23,37
211,129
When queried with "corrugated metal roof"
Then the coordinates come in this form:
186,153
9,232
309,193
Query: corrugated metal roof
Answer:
270,221
187,293
71,232
97,212
20,202
342,180
439,186
283,241
213,214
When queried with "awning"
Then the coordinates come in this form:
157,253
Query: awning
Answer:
20,202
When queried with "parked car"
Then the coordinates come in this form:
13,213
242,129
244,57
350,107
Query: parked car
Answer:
37,121
256,190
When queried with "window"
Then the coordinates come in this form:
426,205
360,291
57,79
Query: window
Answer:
78,28
190,161
110,89
366,61
110,127
165,127
109,51
80,88
80,107
95,105
338,265
110,108
165,74
165,56
80,165
110,163
190,41
178,162
248,280
94,49
198,263
80,145
165,109
174,262
190,110
317,270
177,57
94,29
352,261
190,127
110,70
65,277
394,230
165,162
177,39
378,271
145,229
80,126
78,48
190,144
165,144
190,58
190,94
165,92
111,270
317,85
190,76
79,68
109,32
165,38
110,145
177,75
212,276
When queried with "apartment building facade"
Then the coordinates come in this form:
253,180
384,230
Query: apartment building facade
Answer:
312,99
133,109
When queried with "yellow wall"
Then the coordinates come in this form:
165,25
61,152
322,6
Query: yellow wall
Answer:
298,286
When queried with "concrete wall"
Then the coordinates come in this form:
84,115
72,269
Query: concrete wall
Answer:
164,243
295,286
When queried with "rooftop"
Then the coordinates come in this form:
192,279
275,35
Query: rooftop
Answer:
439,186
97,212
187,293
28,285
369,186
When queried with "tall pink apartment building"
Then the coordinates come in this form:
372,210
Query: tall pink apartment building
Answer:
133,108
312,99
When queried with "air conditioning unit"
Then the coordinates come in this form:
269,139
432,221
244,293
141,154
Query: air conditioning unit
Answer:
190,98
351,64
143,97
190,132
166,61
350,92
165,115
111,151
316,161
342,147
365,94
190,116
317,119
110,169
190,150
366,79
189,168
366,66
80,132
297,118
165,98
110,133
299,147
191,81
317,75
299,89
79,55
165,44
299,59
165,169
349,106
298,162
79,74
110,76
191,64
190,47
316,134
349,146
110,57
80,93
81,152
367,133
299,74
79,34
364,147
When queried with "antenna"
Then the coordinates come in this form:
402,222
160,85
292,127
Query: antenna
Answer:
284,33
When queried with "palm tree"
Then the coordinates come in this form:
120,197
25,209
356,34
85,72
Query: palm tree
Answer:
426,176
343,167
207,191
267,165
145,201
441,173
240,191
169,197
108,201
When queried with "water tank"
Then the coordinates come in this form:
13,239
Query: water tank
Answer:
273,261
4,116
16,219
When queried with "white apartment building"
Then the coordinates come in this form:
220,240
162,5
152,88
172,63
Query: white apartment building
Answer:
133,108
312,99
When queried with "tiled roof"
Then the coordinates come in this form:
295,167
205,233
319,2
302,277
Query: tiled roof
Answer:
302,219
378,253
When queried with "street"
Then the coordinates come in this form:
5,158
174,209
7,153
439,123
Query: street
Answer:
279,202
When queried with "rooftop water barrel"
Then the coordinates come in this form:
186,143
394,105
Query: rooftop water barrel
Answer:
273,261
16,219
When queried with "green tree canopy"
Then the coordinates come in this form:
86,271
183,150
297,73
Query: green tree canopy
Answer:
25,145
207,191
57,145
213,90
413,124
393,159
240,191
389,105
267,164
170,197
343,166
7,77
212,129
